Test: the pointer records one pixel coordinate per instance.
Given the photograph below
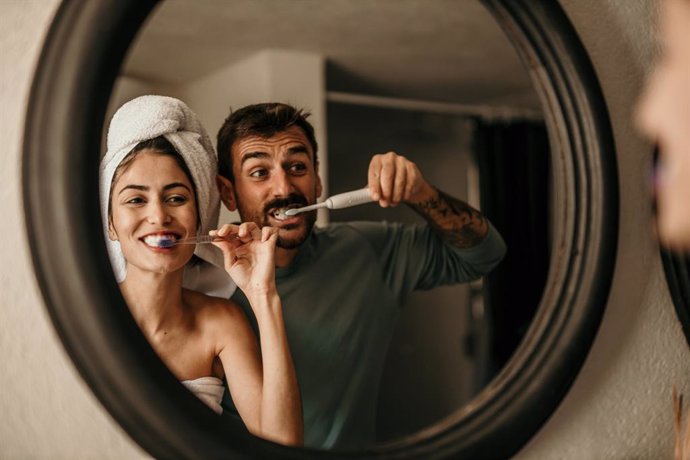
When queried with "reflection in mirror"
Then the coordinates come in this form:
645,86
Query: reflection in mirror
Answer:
158,187
434,80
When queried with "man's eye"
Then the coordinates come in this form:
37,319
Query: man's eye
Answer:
298,168
258,173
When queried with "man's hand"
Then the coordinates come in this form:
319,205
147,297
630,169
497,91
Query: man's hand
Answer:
394,179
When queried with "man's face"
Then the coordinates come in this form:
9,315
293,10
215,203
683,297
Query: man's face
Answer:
272,174
664,115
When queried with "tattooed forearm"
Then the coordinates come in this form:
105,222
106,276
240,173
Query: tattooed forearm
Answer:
457,222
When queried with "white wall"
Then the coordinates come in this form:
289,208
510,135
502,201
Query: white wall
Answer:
46,410
619,406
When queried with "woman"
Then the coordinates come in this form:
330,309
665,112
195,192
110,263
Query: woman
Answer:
664,116
152,194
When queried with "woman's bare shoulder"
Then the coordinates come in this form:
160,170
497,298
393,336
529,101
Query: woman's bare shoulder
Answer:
214,311
221,322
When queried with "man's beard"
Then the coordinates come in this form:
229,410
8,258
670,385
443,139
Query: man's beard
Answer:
297,240
262,220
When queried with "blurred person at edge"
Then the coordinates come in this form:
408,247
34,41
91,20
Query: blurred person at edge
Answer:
663,115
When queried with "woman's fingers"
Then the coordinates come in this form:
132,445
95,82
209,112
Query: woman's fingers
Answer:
225,230
268,233
249,231
228,250
240,234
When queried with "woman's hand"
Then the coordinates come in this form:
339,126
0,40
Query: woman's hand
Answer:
249,254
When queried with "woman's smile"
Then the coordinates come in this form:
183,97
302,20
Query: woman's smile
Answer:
161,240
154,211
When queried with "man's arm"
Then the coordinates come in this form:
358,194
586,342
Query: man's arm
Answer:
455,221
394,179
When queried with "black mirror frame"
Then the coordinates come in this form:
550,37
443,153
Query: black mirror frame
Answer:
80,60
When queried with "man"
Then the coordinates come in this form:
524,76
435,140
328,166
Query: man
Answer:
342,285
664,115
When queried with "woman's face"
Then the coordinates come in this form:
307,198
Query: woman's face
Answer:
153,198
664,115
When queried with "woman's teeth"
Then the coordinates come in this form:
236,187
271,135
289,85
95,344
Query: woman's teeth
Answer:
160,241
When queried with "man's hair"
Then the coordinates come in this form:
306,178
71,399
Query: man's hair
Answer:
263,120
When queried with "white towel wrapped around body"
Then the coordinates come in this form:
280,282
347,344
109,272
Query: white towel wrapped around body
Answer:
148,117
209,390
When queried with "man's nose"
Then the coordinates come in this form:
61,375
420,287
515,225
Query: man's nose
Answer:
282,184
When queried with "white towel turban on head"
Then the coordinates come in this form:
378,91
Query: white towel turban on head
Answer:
148,117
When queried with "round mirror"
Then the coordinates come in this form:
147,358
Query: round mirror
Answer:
510,393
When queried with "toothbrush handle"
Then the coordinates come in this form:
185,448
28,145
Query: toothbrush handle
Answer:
345,200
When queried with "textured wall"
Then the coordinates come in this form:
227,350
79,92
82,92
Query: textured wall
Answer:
46,410
619,406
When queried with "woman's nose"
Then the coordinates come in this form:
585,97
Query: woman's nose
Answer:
158,214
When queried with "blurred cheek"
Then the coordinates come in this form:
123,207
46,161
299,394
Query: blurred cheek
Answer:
650,116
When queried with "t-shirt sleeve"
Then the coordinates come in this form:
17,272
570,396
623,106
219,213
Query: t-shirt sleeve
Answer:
415,257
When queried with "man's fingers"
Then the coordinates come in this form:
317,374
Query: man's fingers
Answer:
400,180
374,177
412,182
387,181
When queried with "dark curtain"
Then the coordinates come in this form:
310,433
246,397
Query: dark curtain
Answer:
514,171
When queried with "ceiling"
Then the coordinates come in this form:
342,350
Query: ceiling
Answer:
432,50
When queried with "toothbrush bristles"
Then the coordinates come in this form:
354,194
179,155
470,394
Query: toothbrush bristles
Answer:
166,243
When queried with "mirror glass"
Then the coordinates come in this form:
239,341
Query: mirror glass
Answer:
434,80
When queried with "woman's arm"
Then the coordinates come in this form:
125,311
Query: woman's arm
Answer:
281,404
271,385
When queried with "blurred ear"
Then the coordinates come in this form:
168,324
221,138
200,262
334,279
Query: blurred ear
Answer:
227,192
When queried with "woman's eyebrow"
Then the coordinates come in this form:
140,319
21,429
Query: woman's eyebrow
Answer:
143,188
175,185
146,188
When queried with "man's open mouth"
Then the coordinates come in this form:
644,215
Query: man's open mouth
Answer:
279,213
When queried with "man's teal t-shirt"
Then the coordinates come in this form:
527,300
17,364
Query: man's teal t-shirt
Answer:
341,298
